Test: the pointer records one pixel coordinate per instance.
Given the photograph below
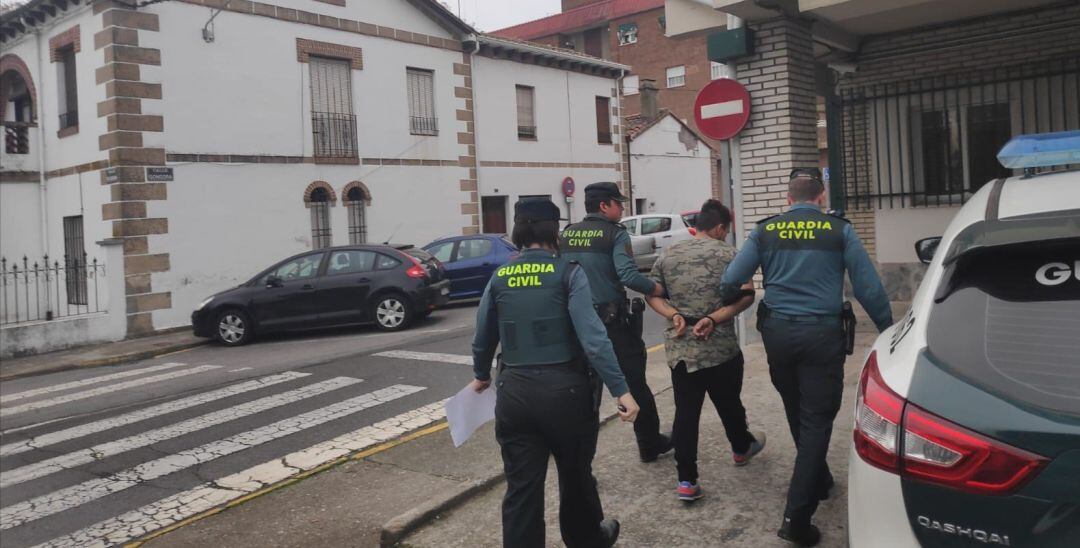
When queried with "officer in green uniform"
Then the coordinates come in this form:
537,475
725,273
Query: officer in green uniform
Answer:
602,247
540,308
803,255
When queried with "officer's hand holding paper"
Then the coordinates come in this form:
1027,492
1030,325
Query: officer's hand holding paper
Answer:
469,409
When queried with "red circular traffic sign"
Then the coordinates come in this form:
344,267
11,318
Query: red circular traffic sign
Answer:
722,108
568,186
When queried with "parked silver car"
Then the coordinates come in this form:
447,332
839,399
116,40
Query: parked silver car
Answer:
651,233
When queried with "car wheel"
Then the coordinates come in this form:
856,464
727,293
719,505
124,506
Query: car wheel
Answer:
392,312
233,328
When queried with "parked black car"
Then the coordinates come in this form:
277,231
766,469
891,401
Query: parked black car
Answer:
390,286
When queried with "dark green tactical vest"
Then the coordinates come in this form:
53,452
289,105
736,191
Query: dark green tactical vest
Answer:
802,229
531,294
590,243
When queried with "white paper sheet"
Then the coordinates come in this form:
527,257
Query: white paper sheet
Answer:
467,411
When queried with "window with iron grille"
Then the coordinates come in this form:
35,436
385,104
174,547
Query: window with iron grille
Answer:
421,90
526,119
69,95
603,120
319,204
333,124
676,76
355,202
75,260
934,141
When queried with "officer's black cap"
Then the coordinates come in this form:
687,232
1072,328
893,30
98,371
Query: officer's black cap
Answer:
605,191
536,209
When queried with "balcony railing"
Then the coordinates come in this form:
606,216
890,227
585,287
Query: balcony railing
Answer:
48,290
17,137
423,125
69,119
526,132
334,135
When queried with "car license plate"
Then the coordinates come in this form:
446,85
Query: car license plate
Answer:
445,291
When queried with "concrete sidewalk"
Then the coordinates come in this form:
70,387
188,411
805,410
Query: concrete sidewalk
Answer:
446,496
124,351
742,506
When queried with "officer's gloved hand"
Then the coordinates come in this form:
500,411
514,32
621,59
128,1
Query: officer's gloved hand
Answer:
628,408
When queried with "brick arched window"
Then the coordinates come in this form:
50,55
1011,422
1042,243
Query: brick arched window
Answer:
16,89
318,198
357,199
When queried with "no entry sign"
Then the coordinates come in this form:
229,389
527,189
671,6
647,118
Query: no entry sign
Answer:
722,109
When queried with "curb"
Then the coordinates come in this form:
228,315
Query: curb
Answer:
402,525
110,360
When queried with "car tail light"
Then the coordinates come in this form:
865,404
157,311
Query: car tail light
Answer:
693,231
902,438
417,270
941,452
878,413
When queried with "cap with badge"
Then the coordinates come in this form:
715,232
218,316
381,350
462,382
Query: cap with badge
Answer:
606,191
536,209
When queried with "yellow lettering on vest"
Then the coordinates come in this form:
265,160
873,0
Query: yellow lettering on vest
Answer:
524,281
800,224
770,226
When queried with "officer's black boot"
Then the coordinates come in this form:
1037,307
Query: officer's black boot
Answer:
609,529
801,535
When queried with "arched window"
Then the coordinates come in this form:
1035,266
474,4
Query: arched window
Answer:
17,112
319,199
356,202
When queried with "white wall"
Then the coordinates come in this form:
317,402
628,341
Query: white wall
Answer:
398,14
670,175
897,230
20,224
515,182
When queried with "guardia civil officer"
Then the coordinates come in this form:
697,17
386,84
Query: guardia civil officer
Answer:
602,247
540,308
803,254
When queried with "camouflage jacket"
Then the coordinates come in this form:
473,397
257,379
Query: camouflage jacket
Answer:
691,271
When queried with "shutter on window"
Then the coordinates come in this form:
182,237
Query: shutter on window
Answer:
421,93
525,106
331,86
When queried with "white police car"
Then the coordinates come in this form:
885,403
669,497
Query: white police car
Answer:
967,421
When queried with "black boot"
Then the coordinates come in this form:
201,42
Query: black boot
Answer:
609,529
663,444
801,535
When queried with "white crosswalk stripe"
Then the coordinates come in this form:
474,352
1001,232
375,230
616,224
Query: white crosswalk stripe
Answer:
100,391
459,359
173,509
74,496
103,425
87,382
145,439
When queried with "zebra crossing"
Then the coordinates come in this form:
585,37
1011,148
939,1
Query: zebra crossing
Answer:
98,480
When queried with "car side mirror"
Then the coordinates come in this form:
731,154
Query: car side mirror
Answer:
926,247
274,281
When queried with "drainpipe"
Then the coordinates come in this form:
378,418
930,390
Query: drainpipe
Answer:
44,210
626,142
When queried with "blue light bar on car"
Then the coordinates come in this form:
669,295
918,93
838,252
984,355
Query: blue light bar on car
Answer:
1041,150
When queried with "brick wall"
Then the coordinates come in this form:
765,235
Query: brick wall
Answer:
976,47
782,132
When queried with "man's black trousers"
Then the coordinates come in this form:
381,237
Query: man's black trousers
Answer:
542,411
723,384
630,351
806,364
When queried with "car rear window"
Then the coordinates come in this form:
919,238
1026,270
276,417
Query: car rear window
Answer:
420,254
1008,322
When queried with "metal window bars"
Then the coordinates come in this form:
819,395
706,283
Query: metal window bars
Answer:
334,135
43,291
526,132
69,119
423,125
16,137
933,141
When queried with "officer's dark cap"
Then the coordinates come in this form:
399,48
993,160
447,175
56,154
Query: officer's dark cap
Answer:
535,209
605,191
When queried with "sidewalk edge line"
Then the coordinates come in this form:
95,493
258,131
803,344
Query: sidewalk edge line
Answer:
431,429
111,360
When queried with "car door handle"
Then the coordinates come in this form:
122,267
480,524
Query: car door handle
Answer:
486,264
363,280
307,287
668,236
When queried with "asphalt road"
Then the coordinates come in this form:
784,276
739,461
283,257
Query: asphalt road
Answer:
114,452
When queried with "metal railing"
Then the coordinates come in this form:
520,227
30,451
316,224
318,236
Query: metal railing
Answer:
45,291
17,137
934,141
423,125
69,119
334,134
526,132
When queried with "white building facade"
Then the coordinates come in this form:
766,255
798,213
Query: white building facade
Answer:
671,166
214,138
